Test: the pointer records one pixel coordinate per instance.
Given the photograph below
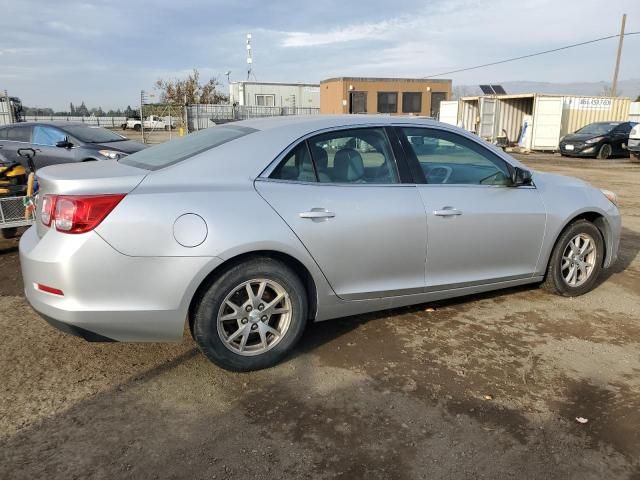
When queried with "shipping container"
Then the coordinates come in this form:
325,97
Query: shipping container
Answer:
547,117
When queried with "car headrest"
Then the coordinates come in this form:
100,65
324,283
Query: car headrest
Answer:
348,165
320,156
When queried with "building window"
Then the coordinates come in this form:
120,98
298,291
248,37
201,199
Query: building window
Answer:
265,100
411,102
387,102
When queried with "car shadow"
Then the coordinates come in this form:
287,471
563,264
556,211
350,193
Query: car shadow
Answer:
627,254
319,333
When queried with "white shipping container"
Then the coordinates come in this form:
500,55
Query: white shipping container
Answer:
551,116
449,112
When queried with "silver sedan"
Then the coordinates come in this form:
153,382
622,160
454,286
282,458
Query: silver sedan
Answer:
248,231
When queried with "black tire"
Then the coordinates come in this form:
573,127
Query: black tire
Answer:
8,233
205,316
554,280
605,151
166,128
137,127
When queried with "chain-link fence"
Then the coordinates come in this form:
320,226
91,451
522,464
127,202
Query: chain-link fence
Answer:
205,116
12,212
108,122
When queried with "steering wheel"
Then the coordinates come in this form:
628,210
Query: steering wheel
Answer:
439,174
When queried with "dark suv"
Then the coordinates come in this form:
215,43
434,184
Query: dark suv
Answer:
600,140
63,143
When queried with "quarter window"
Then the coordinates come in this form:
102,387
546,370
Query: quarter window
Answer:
297,166
361,155
411,102
387,102
449,158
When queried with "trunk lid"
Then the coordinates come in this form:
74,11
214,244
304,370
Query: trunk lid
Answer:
88,178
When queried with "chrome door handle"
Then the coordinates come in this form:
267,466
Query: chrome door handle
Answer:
447,212
317,213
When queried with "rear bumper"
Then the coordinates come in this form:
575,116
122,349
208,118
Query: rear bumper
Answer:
108,296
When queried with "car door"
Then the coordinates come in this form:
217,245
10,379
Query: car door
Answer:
341,194
479,229
18,136
45,138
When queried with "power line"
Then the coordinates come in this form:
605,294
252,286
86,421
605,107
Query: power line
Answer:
531,55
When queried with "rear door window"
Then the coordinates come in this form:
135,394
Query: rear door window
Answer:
19,134
362,155
170,153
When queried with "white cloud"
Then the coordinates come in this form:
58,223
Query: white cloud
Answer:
362,31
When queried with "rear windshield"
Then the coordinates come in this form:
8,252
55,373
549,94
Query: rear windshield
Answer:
174,151
93,134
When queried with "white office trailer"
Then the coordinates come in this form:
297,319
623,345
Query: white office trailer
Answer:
270,94
534,121
634,112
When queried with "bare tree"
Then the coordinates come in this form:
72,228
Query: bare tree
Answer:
189,89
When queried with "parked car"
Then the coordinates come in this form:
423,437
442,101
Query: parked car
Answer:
599,140
152,122
634,143
252,229
64,142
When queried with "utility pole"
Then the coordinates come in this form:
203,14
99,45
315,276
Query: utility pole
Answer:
614,84
141,116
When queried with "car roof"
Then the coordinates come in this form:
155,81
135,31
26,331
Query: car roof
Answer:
312,122
60,124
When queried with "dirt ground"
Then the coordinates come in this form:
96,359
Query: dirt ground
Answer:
486,386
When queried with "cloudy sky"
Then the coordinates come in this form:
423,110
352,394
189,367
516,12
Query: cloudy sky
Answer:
105,51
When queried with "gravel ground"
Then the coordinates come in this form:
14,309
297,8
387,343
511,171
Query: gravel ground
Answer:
486,386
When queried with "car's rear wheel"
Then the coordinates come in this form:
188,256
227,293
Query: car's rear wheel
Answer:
576,260
137,127
251,316
605,151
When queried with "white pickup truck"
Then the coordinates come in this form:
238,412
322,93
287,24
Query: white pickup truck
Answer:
152,122
634,143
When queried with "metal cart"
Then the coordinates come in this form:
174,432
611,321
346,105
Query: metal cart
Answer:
18,210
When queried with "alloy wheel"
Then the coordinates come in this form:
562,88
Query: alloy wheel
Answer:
254,317
578,260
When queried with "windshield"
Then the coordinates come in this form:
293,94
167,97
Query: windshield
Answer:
598,128
93,134
174,151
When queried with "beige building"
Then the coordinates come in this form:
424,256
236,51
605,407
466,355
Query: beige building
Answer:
394,96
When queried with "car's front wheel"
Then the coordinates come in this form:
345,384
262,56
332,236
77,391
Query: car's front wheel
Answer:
576,260
251,316
605,151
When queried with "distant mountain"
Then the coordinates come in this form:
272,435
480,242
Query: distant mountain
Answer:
626,88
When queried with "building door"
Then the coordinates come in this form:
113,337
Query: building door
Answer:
436,98
358,102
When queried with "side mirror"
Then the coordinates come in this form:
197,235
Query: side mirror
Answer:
520,177
64,143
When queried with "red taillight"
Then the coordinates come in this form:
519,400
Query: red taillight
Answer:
77,213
